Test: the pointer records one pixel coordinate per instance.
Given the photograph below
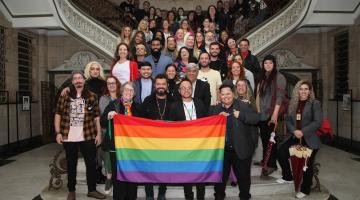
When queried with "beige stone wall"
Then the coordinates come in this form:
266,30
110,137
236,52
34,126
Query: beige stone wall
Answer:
48,52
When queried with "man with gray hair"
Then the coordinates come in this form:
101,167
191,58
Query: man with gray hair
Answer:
77,126
201,89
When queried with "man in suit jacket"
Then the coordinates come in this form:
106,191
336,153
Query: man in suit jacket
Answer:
183,109
144,86
200,89
239,145
157,60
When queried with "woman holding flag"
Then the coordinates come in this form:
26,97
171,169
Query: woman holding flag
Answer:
126,106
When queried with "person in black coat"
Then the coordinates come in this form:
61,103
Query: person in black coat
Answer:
126,106
156,107
202,89
239,143
188,108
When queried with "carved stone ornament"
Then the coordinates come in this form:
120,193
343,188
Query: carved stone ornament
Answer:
77,23
286,59
79,60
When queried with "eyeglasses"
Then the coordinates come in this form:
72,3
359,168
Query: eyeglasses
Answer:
186,88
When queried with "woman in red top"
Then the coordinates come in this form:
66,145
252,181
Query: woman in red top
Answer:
122,68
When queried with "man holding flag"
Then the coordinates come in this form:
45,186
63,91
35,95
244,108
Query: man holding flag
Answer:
239,146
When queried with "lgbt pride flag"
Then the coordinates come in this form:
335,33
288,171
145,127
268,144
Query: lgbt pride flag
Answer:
151,151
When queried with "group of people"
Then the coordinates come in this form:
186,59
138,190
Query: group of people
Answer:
200,81
233,16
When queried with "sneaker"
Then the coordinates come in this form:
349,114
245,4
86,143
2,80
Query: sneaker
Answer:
108,186
149,198
282,181
71,196
97,195
300,195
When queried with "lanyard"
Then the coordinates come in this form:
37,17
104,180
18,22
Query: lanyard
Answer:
187,110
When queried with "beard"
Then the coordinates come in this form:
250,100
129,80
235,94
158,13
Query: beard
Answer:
156,53
160,91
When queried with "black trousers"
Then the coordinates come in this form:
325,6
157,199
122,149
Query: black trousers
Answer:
265,132
200,191
285,165
88,151
242,172
121,190
149,189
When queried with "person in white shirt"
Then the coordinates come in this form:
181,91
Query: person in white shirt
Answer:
210,76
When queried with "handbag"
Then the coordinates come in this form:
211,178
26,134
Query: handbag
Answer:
325,131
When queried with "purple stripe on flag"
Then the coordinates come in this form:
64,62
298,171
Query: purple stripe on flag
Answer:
163,177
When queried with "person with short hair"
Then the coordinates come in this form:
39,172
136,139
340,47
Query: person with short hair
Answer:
157,59
185,109
239,145
216,61
250,61
157,107
144,86
77,126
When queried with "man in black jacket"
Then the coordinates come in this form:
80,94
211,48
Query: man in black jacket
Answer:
239,143
200,89
183,109
156,107
250,61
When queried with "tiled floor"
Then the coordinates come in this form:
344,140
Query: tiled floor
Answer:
29,174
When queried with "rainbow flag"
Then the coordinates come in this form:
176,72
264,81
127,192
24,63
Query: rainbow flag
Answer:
152,151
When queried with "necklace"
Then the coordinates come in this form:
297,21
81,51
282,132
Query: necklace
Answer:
159,111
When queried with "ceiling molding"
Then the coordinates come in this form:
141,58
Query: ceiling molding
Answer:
24,16
338,11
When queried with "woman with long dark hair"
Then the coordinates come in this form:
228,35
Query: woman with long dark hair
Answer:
173,78
304,118
270,97
122,68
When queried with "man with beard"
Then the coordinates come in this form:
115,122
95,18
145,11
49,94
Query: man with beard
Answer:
170,49
209,38
217,63
156,107
77,126
188,108
210,76
157,60
251,62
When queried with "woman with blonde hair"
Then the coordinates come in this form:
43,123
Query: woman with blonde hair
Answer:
144,27
95,79
304,118
125,35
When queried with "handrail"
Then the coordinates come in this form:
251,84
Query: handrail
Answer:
278,26
81,25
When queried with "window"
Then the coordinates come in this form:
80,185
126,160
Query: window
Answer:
24,62
341,63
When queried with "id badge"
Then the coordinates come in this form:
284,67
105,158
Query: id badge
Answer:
298,117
